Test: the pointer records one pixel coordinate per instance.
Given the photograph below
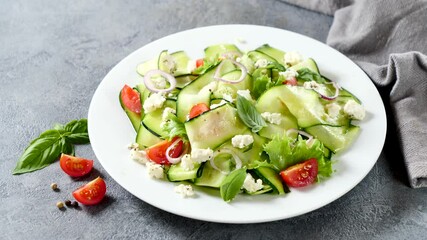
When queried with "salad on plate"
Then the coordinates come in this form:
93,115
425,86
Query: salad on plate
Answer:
255,122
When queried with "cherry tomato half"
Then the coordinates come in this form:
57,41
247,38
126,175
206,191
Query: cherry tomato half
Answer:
157,153
91,193
198,109
131,99
301,174
199,62
75,166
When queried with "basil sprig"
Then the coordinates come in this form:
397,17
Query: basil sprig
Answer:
232,184
249,115
45,149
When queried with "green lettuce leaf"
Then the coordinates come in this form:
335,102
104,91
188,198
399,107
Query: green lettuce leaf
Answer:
284,151
173,127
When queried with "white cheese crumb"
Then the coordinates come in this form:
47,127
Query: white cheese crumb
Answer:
251,185
238,59
227,97
333,109
139,156
133,146
153,102
354,110
311,85
274,118
191,65
246,94
289,74
159,82
241,141
169,63
261,63
201,155
184,190
166,112
292,58
154,170
213,106
211,87
187,163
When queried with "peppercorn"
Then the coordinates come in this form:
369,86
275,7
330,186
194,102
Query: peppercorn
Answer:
60,205
68,203
75,204
54,186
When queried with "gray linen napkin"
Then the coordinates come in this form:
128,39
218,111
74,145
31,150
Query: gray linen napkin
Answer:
388,40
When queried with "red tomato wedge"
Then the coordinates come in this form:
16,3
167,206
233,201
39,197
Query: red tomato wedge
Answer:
75,166
157,153
198,109
301,174
131,99
199,62
91,193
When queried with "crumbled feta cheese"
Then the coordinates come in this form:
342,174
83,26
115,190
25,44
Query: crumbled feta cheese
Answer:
354,110
184,190
245,93
166,112
241,141
153,102
169,63
187,163
238,59
227,97
210,87
333,109
213,106
133,146
274,118
251,185
261,63
191,65
139,156
201,155
159,82
292,58
154,170
289,74
311,85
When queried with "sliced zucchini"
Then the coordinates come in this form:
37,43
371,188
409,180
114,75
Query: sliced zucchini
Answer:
145,138
177,173
215,51
334,138
214,127
308,63
210,176
275,53
257,55
272,101
231,89
270,177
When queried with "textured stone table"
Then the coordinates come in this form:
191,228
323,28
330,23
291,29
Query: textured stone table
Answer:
54,54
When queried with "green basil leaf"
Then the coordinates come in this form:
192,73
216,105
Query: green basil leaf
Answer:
67,147
78,132
78,138
232,184
249,115
77,126
40,153
45,149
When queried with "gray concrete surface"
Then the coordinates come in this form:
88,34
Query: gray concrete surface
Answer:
54,54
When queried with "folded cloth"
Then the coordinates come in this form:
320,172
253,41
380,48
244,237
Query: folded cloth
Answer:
388,40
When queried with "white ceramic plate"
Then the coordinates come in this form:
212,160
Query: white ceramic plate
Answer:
110,130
